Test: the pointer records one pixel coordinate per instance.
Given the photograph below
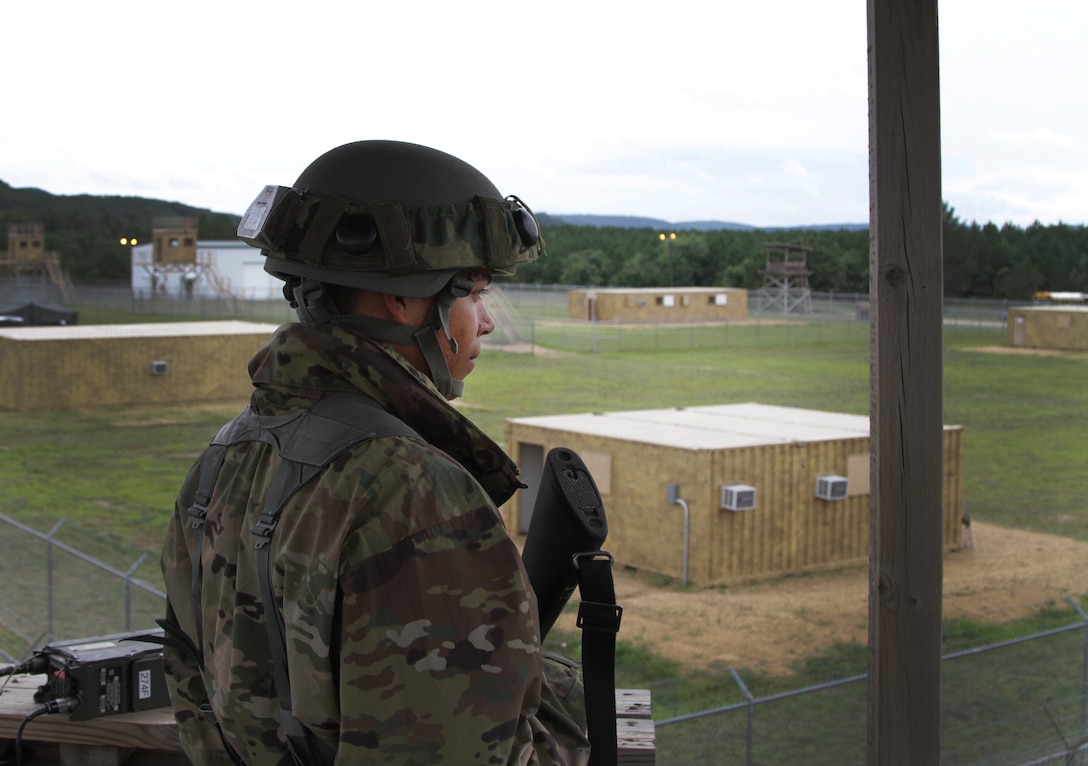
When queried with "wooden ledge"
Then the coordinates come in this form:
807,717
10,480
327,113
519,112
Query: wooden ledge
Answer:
151,736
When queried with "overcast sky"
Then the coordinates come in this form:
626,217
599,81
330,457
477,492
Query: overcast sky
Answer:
753,112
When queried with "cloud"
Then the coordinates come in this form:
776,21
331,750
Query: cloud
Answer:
752,112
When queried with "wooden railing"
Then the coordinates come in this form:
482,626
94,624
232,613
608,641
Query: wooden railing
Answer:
134,739
150,737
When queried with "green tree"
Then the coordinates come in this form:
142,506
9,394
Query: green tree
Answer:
585,267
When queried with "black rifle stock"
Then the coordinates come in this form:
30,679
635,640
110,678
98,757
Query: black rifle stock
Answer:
568,518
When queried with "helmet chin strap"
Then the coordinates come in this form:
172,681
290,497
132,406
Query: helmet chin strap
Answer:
310,300
423,336
427,340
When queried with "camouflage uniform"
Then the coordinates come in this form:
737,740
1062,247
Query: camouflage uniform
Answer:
411,629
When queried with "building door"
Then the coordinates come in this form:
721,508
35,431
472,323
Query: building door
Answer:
1019,331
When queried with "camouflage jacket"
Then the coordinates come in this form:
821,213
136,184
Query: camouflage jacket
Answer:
411,630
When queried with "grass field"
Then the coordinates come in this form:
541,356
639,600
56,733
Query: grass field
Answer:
112,474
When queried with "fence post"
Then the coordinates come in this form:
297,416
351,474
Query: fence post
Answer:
128,591
751,715
49,575
1083,672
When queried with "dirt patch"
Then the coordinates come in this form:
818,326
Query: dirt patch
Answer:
1018,350
527,348
1024,351
1007,574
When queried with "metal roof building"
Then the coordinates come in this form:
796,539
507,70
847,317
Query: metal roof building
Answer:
724,493
1060,327
82,366
657,304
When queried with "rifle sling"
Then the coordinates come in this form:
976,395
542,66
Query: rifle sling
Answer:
599,618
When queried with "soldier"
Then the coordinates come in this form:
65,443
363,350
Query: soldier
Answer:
340,584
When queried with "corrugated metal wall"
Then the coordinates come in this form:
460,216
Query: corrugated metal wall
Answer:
67,374
1064,328
790,530
684,305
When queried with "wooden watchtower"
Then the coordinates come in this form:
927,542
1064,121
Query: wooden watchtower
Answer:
173,251
785,279
26,256
176,265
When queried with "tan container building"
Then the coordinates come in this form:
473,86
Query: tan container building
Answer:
1054,327
79,367
173,240
658,304
725,493
26,243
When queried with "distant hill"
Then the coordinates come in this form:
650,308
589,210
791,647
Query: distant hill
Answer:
32,203
636,222
85,229
612,250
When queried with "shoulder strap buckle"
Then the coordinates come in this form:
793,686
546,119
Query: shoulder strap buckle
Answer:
198,512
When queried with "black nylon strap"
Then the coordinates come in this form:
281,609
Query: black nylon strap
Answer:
212,462
306,441
289,478
599,619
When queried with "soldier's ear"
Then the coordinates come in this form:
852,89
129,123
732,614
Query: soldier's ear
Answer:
410,311
394,306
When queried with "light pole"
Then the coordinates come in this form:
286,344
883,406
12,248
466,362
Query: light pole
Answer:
128,243
668,238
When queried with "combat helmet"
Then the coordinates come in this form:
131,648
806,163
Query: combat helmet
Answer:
392,217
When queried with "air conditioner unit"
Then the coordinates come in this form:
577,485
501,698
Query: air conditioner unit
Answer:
738,497
831,487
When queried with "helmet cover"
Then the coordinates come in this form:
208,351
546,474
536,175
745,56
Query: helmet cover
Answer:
389,216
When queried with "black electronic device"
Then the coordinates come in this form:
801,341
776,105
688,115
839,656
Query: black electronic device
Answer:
119,673
568,519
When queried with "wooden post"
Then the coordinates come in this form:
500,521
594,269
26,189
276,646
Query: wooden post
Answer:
906,295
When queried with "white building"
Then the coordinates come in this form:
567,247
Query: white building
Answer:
222,269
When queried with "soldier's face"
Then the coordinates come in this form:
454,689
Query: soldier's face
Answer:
469,322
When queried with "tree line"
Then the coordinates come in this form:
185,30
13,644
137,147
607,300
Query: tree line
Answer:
86,230
980,261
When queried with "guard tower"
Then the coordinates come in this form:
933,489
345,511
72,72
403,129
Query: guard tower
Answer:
175,263
26,256
785,279
173,251
173,241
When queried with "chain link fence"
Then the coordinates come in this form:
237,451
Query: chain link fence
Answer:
1020,702
53,591
533,314
1017,702
538,314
